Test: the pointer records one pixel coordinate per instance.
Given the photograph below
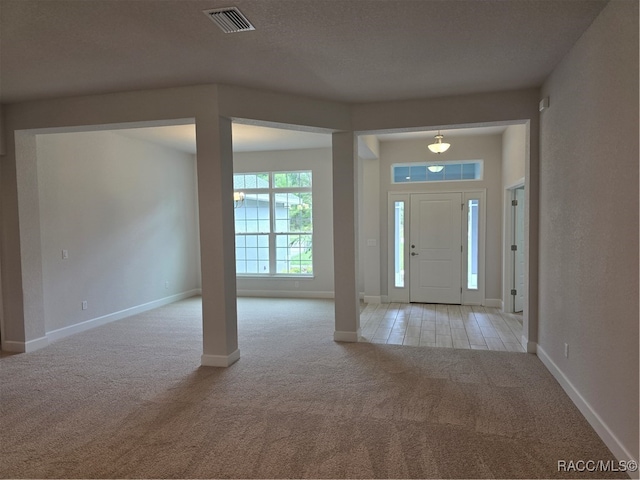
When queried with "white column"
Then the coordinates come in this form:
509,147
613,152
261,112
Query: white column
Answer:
24,328
345,237
217,250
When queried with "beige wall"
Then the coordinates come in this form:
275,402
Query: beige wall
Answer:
125,211
589,223
515,147
514,150
487,148
2,134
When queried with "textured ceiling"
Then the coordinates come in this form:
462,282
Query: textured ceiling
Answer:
344,50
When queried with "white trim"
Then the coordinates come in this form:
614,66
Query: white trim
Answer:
36,344
283,294
220,360
530,347
476,296
397,294
479,161
598,424
508,240
25,347
493,302
517,184
374,299
61,333
402,294
346,336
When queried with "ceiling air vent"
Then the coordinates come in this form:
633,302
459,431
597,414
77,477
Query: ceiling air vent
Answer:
230,19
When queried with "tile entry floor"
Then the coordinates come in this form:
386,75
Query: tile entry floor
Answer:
449,326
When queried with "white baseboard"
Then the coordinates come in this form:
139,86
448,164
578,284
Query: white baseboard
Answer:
384,299
346,336
601,428
493,303
372,299
220,360
61,333
283,294
25,347
530,347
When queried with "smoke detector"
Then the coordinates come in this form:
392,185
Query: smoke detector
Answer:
229,19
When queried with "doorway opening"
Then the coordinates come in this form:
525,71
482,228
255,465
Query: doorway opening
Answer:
517,250
438,247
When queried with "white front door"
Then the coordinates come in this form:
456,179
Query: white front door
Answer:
435,248
518,258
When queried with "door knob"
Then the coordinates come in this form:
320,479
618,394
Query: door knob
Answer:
413,254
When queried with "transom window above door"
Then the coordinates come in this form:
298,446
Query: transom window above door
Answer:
449,171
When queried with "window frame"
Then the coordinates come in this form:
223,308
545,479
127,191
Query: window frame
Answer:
479,162
272,191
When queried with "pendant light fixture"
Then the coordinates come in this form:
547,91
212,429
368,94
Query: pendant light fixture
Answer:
438,146
238,199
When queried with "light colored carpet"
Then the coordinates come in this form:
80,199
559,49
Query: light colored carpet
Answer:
129,400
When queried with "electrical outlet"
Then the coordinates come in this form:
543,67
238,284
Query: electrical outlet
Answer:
566,350
296,284
84,305
65,254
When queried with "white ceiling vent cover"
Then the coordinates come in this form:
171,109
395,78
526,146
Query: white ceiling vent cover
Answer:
230,19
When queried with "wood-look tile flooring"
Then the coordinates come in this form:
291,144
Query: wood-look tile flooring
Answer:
448,326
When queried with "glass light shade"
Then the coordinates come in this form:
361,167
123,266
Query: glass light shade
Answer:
438,146
238,196
436,168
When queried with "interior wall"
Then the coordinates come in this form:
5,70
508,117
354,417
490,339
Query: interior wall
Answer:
2,132
487,148
589,225
125,212
514,150
370,238
1,291
319,162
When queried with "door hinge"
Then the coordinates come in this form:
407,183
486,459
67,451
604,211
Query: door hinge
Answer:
514,292
460,289
462,206
514,203
461,248
514,248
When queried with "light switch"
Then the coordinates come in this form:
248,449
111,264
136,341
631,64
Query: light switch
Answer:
65,254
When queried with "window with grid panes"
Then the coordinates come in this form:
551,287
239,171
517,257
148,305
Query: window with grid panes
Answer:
274,223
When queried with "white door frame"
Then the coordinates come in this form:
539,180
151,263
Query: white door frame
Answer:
401,294
507,261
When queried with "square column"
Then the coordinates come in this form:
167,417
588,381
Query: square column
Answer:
217,241
345,237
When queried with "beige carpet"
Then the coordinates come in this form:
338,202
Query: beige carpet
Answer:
129,400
